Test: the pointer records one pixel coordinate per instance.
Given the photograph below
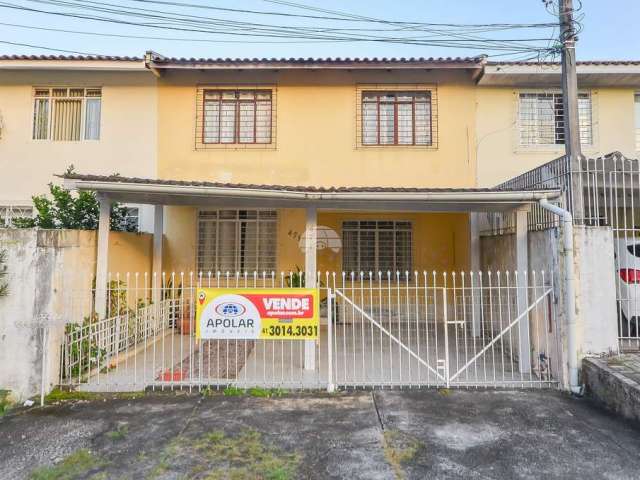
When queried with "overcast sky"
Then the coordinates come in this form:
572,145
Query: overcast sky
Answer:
611,28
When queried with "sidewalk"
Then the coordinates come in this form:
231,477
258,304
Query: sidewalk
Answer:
447,434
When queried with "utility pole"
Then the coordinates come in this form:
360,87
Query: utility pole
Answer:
570,104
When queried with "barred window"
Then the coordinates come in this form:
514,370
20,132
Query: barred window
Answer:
237,240
376,246
236,116
131,220
8,213
541,119
396,118
67,114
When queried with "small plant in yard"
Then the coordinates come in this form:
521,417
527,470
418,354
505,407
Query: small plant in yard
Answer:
64,210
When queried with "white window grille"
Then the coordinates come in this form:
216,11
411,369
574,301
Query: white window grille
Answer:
10,212
377,245
67,114
541,118
237,240
637,114
396,118
131,220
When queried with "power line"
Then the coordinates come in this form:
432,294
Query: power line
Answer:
407,33
40,47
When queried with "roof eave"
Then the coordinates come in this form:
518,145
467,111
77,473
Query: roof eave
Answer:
371,200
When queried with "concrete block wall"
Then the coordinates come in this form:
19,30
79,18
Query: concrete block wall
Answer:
48,271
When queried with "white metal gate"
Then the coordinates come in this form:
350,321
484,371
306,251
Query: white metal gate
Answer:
377,330
449,330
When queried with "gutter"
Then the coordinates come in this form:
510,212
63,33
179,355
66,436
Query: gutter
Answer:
569,292
256,193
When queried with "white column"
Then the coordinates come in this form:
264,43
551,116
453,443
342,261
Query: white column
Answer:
158,231
102,261
310,277
522,267
474,247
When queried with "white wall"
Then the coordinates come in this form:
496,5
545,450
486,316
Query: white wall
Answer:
128,140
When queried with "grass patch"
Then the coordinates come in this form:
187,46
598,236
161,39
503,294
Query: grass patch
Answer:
78,465
58,395
399,448
232,391
120,433
217,456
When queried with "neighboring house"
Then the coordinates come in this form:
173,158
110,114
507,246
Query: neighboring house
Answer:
520,119
98,115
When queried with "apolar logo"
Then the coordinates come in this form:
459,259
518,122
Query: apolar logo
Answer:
230,316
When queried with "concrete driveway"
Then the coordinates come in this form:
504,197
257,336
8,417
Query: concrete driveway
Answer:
382,435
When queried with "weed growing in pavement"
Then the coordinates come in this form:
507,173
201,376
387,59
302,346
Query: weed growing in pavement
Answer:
78,465
399,448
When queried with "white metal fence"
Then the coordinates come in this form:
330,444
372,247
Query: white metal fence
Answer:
380,329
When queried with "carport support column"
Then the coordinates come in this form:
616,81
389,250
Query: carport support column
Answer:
310,266
102,261
522,268
474,246
158,231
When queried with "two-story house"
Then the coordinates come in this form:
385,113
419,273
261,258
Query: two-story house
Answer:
372,167
371,139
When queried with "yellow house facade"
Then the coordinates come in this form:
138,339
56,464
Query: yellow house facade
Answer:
316,140
422,125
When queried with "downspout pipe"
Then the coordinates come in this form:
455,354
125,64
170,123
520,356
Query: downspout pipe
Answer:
569,291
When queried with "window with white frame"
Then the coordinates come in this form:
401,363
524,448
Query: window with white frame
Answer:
376,246
541,118
637,114
67,114
237,240
396,118
236,116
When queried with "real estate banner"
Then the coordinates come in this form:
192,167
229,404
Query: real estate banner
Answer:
237,313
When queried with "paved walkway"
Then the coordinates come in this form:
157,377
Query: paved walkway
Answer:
447,434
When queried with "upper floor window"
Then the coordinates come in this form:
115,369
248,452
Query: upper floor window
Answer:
236,116
541,119
637,113
67,114
396,118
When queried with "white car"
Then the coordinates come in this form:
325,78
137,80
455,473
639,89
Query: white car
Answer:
627,253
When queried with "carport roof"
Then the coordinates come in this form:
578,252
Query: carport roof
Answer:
197,192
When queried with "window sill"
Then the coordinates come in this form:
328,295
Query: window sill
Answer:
545,149
396,147
235,146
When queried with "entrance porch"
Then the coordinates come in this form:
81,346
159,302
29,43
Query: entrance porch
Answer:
389,319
